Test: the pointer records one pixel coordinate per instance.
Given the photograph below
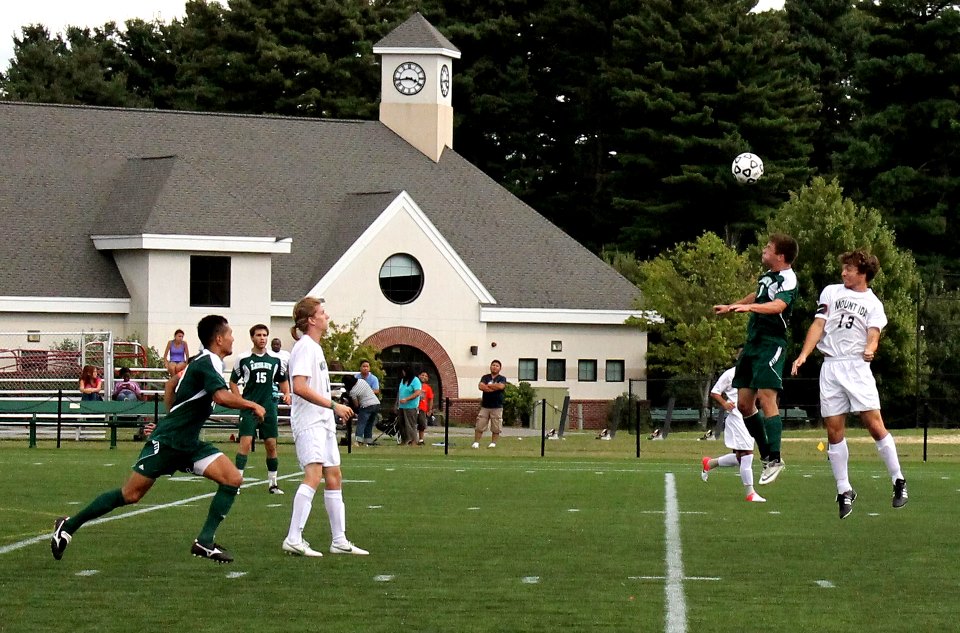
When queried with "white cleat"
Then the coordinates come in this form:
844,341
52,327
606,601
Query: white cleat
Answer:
347,548
475,445
492,445
300,549
755,498
771,471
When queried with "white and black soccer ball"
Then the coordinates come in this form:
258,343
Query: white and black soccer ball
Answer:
747,168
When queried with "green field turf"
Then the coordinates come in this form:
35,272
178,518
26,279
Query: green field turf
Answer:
495,540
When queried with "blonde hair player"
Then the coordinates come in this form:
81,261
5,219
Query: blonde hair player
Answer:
313,422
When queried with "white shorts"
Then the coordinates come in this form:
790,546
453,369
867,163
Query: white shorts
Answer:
735,434
847,386
317,445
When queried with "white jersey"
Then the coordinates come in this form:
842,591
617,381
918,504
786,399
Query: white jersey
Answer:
307,359
848,315
724,387
735,434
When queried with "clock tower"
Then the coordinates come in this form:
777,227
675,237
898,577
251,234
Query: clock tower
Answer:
416,85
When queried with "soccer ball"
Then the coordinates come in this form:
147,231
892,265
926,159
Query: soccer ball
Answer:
747,168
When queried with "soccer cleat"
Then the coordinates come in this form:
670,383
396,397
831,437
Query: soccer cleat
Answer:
899,493
275,490
475,445
755,498
347,548
300,549
705,473
60,538
214,552
771,471
419,442
492,445
845,501
604,435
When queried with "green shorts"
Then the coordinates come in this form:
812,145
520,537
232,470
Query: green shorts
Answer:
268,429
157,459
761,364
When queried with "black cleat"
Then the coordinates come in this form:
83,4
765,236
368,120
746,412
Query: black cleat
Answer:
214,552
60,538
275,490
899,493
845,501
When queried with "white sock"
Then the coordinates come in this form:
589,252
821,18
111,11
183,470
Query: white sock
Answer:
241,473
302,504
746,472
272,478
888,453
839,455
727,461
337,513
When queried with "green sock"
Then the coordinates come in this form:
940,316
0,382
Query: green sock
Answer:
110,500
774,429
241,461
755,426
219,508
272,464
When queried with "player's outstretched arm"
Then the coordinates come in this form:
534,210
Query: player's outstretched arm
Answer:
814,334
226,398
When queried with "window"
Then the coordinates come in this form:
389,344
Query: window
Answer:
527,369
587,370
556,369
209,281
614,371
401,278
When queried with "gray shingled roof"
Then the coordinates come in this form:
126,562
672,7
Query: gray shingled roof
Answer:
415,32
67,171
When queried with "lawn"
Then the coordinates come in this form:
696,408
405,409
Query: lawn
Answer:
495,540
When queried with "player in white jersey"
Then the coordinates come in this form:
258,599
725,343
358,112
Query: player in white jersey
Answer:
735,436
314,426
846,329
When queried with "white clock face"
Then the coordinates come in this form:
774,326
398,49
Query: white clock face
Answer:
444,80
409,78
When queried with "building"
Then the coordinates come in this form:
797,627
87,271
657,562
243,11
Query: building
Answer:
143,221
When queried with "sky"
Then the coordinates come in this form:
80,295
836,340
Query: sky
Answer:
56,15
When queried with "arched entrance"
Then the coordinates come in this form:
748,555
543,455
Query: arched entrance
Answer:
395,357
407,344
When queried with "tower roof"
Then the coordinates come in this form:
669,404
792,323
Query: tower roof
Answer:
416,35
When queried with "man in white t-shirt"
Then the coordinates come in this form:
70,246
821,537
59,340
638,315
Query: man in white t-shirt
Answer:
735,436
313,416
846,330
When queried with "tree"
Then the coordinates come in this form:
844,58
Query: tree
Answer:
680,287
341,343
902,155
827,224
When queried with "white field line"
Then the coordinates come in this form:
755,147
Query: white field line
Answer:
6,549
676,607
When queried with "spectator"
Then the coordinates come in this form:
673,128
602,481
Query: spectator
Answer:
426,406
491,405
91,384
127,388
176,353
372,380
365,404
408,403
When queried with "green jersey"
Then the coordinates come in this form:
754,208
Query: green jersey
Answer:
258,373
771,286
192,403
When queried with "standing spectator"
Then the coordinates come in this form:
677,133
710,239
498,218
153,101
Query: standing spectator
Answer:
91,384
491,405
408,403
759,374
846,330
260,372
175,445
365,404
372,380
176,353
426,406
276,346
314,425
127,388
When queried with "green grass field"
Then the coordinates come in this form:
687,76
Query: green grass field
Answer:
495,540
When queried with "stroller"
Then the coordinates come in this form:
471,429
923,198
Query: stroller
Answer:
388,426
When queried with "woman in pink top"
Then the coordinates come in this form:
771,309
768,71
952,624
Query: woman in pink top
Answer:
91,385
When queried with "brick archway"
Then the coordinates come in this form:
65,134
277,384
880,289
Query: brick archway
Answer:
426,344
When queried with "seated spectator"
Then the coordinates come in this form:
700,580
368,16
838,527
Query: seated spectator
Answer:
91,384
365,404
126,388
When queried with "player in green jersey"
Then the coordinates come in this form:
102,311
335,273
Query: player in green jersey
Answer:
259,370
175,445
759,373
